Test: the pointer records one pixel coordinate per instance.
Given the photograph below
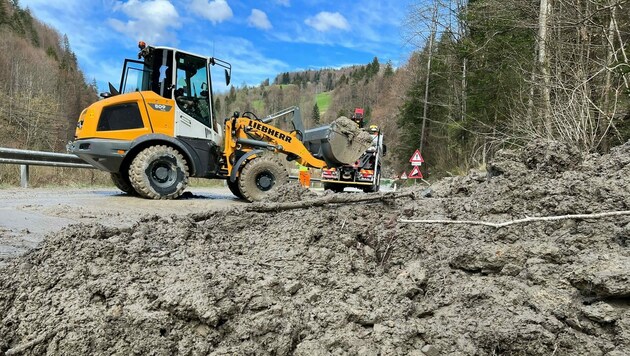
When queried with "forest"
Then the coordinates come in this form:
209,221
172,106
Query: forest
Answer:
42,90
483,75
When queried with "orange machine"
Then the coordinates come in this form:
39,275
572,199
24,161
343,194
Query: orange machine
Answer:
159,128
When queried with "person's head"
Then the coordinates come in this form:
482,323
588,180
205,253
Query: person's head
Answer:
373,129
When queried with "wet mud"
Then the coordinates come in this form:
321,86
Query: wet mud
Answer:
348,279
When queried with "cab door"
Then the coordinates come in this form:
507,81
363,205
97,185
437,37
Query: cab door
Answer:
192,94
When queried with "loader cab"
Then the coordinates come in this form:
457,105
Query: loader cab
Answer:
182,77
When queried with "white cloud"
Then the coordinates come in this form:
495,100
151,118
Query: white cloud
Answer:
284,2
249,64
259,20
150,20
216,11
325,21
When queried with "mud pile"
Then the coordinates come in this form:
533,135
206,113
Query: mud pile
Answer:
348,279
290,192
347,141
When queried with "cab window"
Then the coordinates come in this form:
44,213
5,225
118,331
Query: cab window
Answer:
191,89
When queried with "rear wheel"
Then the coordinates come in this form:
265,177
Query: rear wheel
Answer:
121,181
159,172
261,177
335,187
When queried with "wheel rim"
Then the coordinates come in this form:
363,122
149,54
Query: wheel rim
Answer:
163,173
265,181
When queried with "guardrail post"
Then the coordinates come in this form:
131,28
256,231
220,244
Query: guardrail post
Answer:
24,175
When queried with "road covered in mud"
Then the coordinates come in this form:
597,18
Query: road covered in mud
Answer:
28,215
346,279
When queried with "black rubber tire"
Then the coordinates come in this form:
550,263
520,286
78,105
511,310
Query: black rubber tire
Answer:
261,177
335,187
159,172
233,186
121,181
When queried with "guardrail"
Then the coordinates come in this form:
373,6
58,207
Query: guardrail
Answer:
26,158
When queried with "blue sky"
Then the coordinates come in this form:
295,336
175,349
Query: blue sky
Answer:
259,38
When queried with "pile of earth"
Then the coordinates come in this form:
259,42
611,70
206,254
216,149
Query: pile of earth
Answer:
348,279
292,191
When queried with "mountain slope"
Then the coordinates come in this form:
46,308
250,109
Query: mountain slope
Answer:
42,90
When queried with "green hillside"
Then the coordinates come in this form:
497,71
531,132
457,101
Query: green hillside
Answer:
323,101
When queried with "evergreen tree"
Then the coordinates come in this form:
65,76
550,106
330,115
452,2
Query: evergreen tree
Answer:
373,68
342,79
389,70
330,85
286,78
3,13
316,117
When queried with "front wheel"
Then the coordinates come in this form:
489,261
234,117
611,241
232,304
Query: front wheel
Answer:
261,177
159,172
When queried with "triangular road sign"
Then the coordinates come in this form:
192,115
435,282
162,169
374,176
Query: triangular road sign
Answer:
403,176
415,173
416,159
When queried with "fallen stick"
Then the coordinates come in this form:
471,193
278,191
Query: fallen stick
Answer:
519,221
326,200
38,340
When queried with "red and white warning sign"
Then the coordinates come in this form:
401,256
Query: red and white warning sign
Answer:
416,159
415,173
403,176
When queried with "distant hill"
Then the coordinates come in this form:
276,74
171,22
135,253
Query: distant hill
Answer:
335,92
324,95
42,90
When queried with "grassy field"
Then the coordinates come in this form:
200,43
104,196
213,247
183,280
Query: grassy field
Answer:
323,101
259,106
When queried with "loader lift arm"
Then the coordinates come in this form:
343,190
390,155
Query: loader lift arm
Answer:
244,134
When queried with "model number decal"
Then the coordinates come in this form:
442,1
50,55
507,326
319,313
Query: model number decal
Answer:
161,107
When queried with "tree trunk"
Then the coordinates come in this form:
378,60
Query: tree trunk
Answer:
428,75
604,126
543,63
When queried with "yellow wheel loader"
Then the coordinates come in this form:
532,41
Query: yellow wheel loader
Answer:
159,128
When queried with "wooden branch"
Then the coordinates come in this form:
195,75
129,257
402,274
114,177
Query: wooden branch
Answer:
327,200
519,221
36,341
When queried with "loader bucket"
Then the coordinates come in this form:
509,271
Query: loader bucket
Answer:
338,144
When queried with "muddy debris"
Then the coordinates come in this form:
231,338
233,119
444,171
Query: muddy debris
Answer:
346,280
347,140
291,192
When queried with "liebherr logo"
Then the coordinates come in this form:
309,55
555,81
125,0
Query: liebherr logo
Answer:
269,131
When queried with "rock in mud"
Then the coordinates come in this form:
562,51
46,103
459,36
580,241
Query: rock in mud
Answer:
347,141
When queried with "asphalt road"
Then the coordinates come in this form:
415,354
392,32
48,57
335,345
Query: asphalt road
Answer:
27,215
